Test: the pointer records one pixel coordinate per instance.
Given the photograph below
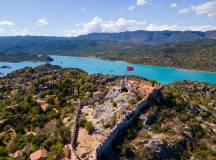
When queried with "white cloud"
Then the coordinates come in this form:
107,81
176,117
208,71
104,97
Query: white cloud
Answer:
184,11
181,27
42,21
6,23
2,30
141,2
206,27
173,5
208,8
131,7
156,27
99,25
23,32
138,3
14,32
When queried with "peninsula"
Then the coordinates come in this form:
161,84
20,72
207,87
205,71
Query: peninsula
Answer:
20,57
60,113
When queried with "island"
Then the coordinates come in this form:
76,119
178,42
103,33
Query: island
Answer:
55,113
5,66
20,57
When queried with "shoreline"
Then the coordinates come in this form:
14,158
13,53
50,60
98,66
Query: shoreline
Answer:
184,69
178,68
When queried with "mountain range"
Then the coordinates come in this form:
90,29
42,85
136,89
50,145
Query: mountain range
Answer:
151,37
140,36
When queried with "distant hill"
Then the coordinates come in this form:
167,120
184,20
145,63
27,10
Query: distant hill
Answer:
152,37
144,37
195,55
50,45
188,50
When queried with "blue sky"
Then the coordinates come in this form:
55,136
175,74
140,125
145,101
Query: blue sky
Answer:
75,17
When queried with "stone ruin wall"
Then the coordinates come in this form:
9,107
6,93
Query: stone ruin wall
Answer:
74,134
75,128
121,126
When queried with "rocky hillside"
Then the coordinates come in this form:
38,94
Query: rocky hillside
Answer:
20,57
196,55
37,107
151,37
181,124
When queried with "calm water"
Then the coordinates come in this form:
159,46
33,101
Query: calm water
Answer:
91,65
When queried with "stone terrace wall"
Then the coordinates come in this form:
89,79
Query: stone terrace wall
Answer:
75,128
74,134
121,126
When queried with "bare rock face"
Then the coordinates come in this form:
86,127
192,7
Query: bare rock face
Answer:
155,145
125,85
161,150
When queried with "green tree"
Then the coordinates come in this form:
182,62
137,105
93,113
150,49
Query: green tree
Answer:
55,151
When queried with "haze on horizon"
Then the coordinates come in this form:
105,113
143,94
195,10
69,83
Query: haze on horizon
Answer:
77,17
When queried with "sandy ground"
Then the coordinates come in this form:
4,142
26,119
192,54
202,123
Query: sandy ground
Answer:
87,112
87,143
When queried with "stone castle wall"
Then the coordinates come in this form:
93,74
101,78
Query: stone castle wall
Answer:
75,128
121,126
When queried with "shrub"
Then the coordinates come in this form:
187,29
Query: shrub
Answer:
56,151
29,98
130,134
153,82
65,134
89,127
51,100
3,151
114,104
113,120
20,129
132,101
138,98
72,109
82,122
126,150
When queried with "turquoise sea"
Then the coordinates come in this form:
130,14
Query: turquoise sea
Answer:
91,65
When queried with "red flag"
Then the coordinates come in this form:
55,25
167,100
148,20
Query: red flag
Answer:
130,68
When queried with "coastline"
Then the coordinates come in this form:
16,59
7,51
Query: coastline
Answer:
26,58
179,68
